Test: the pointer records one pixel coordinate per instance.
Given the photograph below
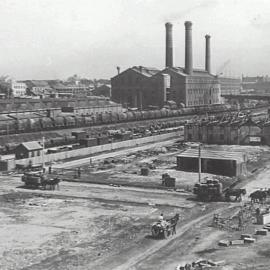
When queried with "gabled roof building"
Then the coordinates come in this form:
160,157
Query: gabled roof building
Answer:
143,86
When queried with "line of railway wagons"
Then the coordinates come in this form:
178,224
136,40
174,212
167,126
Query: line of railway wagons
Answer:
100,134
11,125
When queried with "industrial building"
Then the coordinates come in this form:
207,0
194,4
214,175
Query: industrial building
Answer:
228,131
215,162
18,89
259,84
230,86
187,86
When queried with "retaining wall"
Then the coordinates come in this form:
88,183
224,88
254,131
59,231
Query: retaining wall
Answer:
97,149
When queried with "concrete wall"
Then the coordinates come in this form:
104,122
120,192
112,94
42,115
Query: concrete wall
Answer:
97,149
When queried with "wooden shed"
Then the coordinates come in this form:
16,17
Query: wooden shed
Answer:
215,162
28,150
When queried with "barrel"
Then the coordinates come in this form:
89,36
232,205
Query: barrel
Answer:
144,171
170,182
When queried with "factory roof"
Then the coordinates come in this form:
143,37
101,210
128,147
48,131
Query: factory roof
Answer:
196,72
37,83
147,71
212,154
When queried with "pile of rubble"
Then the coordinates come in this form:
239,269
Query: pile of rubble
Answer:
246,238
237,221
199,264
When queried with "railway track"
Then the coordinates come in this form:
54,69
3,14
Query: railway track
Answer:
67,130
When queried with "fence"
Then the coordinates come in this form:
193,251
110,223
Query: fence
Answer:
96,149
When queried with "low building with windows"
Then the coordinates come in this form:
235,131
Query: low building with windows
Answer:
230,86
39,88
68,90
28,150
18,89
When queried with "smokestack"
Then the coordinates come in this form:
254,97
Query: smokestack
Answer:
118,70
188,48
169,45
207,54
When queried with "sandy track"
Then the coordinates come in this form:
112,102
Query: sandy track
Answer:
132,262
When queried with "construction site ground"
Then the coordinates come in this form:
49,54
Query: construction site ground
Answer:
103,225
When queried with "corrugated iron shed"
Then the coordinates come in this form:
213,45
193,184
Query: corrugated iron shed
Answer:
212,154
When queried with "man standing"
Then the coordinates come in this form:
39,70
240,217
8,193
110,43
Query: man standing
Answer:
161,218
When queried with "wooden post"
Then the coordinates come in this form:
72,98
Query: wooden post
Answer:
200,165
43,148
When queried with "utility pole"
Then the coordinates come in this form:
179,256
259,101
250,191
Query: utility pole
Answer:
200,164
43,148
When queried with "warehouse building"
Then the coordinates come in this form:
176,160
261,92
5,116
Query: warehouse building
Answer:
214,162
228,131
187,86
230,86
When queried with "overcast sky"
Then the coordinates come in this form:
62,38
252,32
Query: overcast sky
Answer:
48,39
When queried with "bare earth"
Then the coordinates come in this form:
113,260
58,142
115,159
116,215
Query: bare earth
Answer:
93,226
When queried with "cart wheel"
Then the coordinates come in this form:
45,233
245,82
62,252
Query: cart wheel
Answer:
155,232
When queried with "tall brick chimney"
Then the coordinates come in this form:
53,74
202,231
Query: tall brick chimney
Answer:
207,54
188,48
169,45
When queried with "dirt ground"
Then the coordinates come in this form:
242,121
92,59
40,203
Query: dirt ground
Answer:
93,226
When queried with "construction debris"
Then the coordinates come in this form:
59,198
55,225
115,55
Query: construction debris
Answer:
243,236
237,242
249,240
261,232
199,264
224,243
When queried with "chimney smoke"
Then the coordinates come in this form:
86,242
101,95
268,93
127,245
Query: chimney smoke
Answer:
207,54
188,48
169,45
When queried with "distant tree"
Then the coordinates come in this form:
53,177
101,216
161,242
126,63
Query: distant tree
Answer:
73,78
5,85
104,81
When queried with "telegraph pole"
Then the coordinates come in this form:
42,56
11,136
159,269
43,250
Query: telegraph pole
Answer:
43,148
200,164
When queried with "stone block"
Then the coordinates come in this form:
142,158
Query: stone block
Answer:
249,240
237,242
261,232
245,235
224,243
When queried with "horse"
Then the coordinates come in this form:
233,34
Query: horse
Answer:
173,221
237,193
258,196
165,228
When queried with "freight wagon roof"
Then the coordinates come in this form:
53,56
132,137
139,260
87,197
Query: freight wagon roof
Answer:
24,115
211,154
19,138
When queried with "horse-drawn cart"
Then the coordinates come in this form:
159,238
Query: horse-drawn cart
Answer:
164,228
38,179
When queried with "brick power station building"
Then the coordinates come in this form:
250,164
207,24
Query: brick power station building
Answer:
142,86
